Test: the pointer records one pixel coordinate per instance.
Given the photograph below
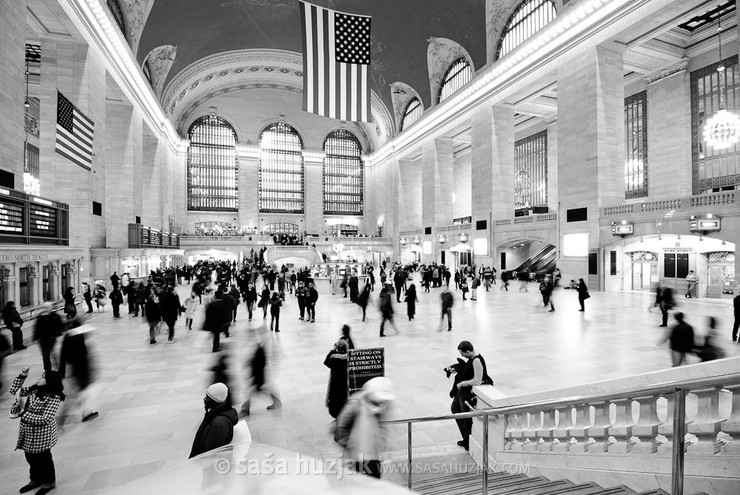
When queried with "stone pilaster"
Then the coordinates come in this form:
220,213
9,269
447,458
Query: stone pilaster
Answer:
590,134
313,191
181,187
249,178
123,149
12,87
151,181
436,182
409,195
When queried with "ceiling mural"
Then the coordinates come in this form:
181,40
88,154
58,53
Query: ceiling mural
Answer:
400,30
401,94
440,56
135,13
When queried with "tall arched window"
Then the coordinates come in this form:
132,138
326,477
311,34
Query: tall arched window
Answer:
412,114
281,170
530,17
343,174
458,75
212,165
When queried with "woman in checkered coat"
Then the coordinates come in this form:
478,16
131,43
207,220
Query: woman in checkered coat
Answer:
37,408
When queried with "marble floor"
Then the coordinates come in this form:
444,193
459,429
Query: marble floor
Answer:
150,396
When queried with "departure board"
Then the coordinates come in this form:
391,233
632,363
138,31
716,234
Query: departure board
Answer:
145,236
155,238
43,220
11,217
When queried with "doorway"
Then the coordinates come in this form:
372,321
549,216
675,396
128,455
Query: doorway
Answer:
644,275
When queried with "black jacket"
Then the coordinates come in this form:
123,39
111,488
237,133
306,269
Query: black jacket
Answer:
216,430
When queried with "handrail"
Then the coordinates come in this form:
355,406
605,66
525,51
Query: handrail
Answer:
677,389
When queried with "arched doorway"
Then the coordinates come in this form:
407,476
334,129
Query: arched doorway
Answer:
536,256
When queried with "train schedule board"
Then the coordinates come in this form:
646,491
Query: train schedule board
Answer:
364,364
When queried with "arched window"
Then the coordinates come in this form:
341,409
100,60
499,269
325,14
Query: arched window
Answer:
343,174
530,17
212,165
412,114
281,170
458,75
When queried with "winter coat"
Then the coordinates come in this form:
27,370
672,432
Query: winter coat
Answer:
336,390
38,429
359,429
216,429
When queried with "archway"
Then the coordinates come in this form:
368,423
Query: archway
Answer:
534,255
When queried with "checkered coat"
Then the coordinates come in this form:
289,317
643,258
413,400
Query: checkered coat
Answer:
38,429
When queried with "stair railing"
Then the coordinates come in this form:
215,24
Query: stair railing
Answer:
676,389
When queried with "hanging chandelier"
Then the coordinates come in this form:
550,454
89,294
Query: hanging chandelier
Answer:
722,130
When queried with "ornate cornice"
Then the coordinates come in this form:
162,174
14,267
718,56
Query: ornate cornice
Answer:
668,71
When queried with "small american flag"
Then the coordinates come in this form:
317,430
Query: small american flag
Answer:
336,62
74,133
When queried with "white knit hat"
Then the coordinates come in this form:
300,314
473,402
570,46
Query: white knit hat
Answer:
217,392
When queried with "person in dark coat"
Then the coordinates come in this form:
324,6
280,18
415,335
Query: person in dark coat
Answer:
336,391
265,300
666,303
250,298
582,293
70,308
170,305
364,299
141,296
130,291
257,366
235,297
116,299
354,289
87,296
346,336
386,310
681,337
301,294
311,299
74,352
48,327
13,322
217,427
114,280
218,318
446,301
275,303
736,324
411,300
153,314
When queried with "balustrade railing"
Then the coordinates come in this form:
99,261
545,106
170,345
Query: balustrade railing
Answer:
633,416
704,200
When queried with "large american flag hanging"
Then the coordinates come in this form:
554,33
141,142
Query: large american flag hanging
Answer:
336,62
74,133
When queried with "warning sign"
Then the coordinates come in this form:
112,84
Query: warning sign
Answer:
364,364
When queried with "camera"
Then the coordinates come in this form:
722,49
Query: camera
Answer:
454,368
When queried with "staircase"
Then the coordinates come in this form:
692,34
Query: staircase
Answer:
515,484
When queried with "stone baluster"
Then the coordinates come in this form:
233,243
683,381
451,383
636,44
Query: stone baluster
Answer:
620,431
731,427
562,432
707,422
597,431
578,431
666,428
513,431
646,428
530,432
545,433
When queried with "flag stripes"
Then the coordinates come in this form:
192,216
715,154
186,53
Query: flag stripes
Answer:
75,133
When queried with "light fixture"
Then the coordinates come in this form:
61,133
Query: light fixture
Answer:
417,240
463,237
403,241
722,130
442,238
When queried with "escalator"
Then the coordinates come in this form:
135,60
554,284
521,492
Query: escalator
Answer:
542,262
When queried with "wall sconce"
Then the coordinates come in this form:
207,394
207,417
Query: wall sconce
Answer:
403,241
463,237
710,223
442,238
417,240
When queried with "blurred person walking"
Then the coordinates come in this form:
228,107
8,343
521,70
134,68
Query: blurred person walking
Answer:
87,296
411,300
153,314
257,365
218,318
275,303
681,337
446,301
48,327
736,325
189,312
710,351
171,307
666,303
364,299
386,310
582,294
75,353
250,297
13,322
70,308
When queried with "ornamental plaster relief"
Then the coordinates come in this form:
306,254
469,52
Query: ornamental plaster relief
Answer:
160,61
401,94
497,13
135,14
441,53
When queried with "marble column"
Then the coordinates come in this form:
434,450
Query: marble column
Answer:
54,282
34,285
313,192
409,195
590,134
249,177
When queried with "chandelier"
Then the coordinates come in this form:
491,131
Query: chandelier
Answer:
722,130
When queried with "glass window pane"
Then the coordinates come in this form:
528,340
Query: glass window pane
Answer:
530,17
281,170
212,165
343,174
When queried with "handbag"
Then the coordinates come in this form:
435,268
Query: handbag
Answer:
586,296
18,405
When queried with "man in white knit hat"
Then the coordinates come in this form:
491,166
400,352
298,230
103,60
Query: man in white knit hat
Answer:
217,428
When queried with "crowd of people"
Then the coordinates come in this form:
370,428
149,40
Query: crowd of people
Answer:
220,287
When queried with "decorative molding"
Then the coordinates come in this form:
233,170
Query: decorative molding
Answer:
401,95
668,71
441,53
160,61
135,14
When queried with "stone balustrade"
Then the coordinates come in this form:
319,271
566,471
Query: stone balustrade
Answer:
628,421
701,201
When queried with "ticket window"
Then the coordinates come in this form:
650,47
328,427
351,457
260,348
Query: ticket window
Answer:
676,265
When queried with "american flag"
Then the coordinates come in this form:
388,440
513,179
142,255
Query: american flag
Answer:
336,62
74,133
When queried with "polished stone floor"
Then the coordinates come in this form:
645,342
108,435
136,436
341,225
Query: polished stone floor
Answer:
150,396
